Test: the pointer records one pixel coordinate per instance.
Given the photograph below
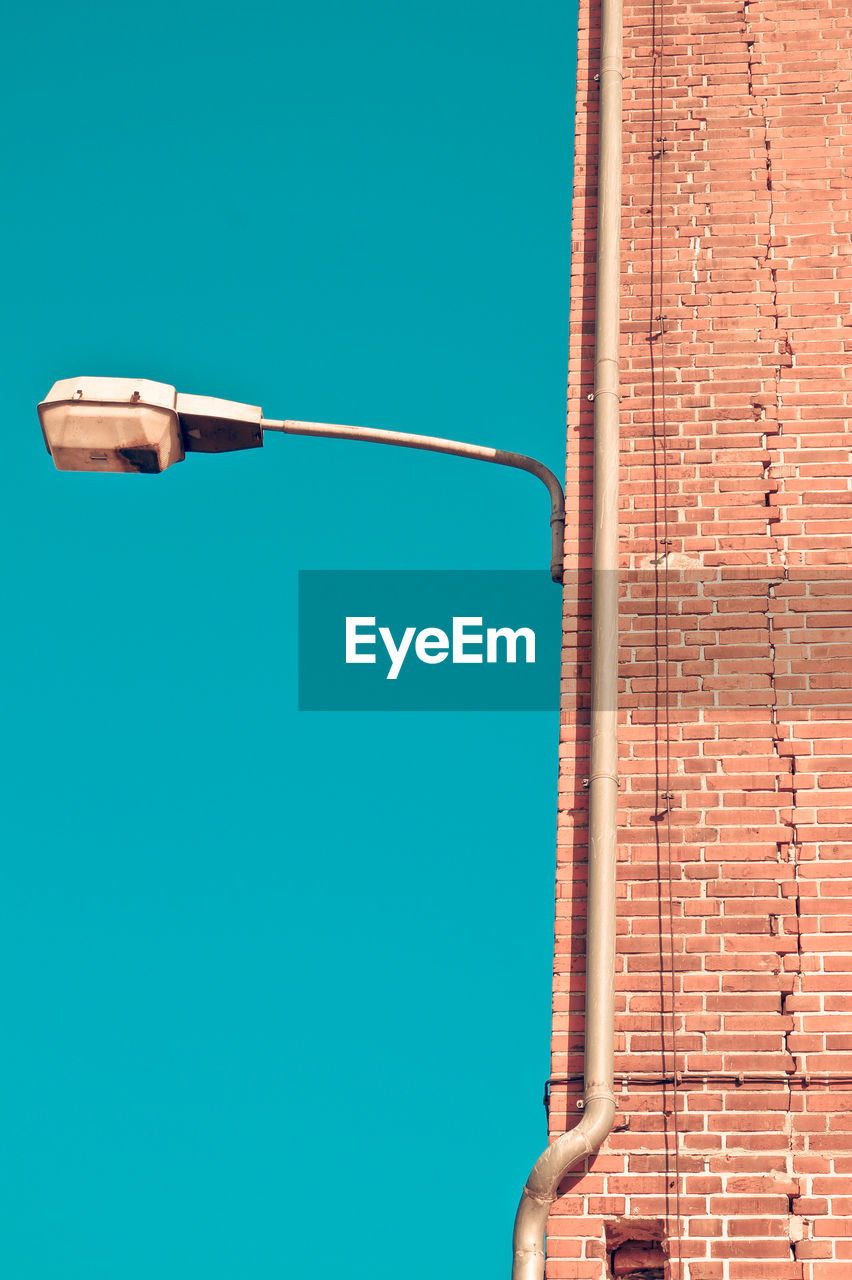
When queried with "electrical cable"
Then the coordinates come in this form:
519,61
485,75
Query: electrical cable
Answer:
663,559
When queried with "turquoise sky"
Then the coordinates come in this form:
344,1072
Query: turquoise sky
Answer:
253,957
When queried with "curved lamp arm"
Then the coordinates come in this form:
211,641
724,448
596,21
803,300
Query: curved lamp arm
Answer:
459,449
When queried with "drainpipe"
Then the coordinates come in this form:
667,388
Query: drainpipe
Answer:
598,1116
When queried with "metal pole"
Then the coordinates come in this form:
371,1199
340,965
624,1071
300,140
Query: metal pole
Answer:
459,449
599,1100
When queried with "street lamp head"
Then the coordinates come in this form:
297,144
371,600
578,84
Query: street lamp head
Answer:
133,424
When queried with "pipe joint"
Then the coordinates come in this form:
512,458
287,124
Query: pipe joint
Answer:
545,1199
606,374
534,1253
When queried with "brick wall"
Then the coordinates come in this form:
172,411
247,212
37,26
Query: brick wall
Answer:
735,859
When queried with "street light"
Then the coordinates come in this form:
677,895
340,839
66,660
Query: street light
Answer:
133,424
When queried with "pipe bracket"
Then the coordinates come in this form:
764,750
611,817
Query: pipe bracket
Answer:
605,1095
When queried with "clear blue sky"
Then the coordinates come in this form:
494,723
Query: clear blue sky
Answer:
249,953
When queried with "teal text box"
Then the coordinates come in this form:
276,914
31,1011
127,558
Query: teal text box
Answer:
428,600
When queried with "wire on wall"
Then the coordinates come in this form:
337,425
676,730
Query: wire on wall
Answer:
661,448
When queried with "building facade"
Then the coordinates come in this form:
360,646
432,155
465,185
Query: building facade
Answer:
732,1153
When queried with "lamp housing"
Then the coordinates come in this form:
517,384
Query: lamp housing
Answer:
134,424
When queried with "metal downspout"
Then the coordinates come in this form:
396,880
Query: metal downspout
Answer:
599,1105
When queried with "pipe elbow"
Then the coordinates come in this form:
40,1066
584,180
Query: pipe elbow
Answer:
598,1119
542,1186
587,1136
